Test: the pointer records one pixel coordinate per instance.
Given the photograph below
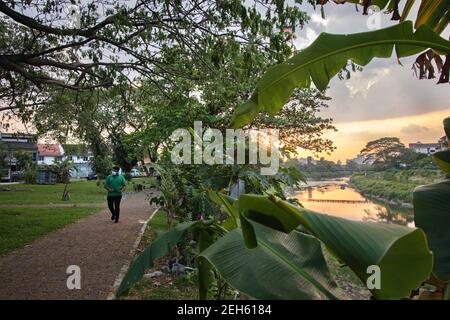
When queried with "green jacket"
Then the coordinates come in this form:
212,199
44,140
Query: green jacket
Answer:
116,183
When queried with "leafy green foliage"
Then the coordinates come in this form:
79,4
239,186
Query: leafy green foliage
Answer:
283,266
384,151
30,174
279,249
23,159
432,214
432,208
442,159
391,185
158,248
357,244
124,42
63,169
3,155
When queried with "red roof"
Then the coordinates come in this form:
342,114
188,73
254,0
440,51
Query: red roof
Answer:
49,150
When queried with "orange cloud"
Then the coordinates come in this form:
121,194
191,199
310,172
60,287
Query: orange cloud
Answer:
352,136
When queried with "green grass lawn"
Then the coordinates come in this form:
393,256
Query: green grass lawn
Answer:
159,221
20,226
80,192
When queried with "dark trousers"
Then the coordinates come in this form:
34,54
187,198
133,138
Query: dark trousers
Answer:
114,206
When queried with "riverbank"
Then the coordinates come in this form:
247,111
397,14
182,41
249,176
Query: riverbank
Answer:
395,187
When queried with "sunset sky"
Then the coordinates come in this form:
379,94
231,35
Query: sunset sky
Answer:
383,100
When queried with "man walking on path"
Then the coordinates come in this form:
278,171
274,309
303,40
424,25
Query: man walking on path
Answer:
115,184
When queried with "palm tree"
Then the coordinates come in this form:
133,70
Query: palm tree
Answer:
63,169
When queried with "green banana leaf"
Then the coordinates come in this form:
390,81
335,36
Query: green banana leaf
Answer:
447,127
432,214
226,201
157,249
434,14
407,9
207,237
442,159
283,266
326,56
401,253
229,206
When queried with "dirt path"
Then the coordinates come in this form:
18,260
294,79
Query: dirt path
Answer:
97,245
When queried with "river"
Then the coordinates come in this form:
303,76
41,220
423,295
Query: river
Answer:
335,197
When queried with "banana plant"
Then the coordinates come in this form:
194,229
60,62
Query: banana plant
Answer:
282,266
432,214
270,249
434,13
273,236
164,244
329,54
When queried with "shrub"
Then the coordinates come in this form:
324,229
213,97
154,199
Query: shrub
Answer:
30,174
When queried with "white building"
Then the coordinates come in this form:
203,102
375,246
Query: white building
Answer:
425,148
81,156
49,153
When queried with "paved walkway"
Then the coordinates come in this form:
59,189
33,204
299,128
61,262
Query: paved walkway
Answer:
97,245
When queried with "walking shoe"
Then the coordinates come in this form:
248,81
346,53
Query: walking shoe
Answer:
116,221
112,217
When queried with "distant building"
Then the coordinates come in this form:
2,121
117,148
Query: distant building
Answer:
425,148
48,154
13,143
302,161
44,154
81,156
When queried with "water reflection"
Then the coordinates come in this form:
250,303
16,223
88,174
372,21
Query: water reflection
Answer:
336,198
388,215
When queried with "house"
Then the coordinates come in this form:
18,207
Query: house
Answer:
49,153
81,156
11,143
425,148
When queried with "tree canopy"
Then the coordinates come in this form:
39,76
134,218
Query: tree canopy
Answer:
383,151
93,44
